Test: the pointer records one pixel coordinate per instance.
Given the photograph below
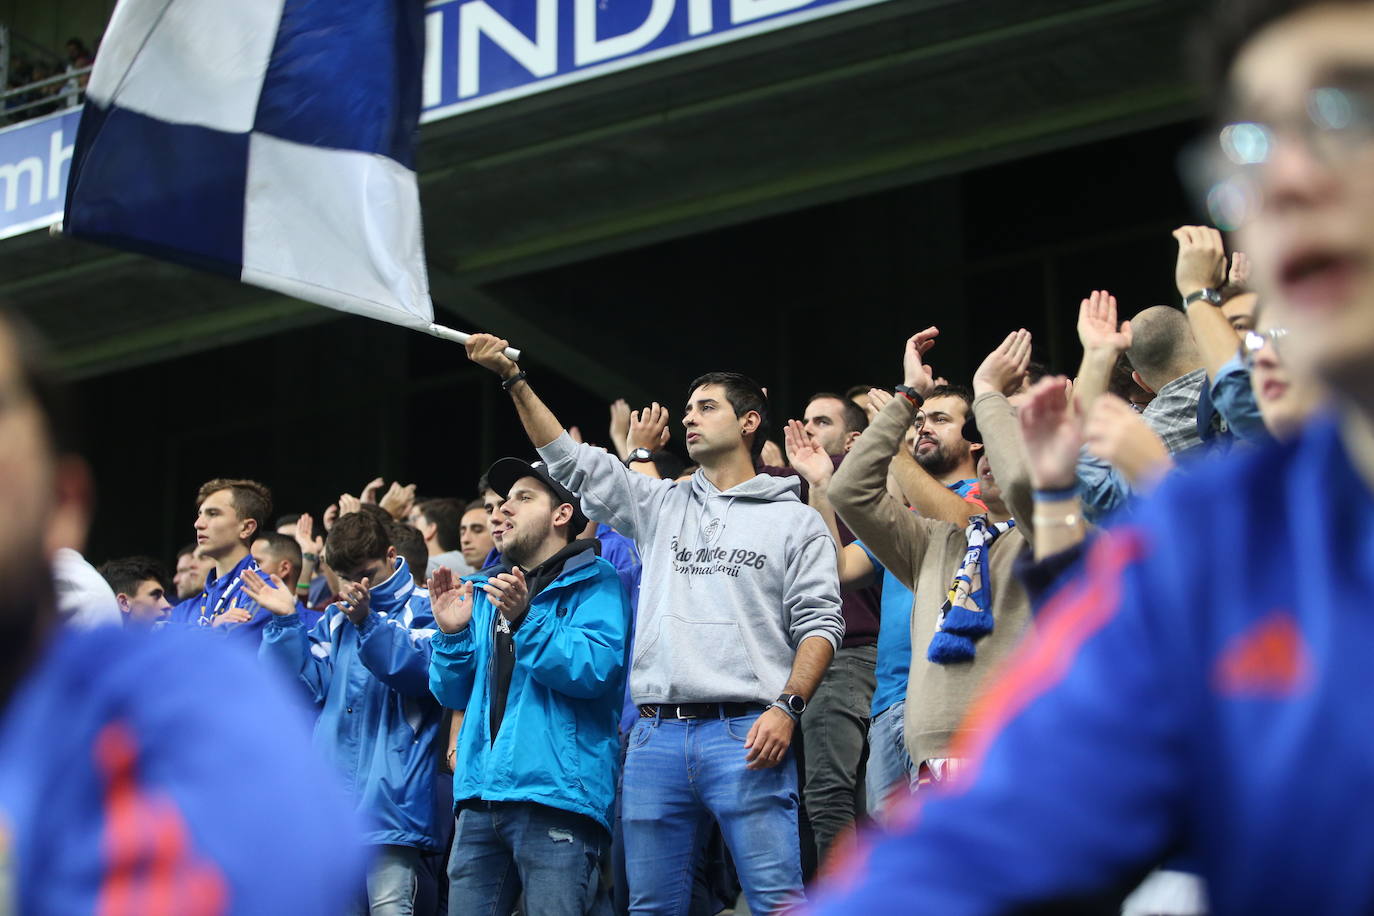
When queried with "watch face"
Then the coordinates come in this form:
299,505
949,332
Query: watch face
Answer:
797,703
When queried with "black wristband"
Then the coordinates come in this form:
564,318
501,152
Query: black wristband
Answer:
911,394
509,383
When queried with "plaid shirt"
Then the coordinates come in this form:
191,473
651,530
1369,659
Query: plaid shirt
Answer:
1173,412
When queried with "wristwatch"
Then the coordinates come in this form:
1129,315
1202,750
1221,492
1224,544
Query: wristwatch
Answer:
792,704
911,394
638,454
1207,293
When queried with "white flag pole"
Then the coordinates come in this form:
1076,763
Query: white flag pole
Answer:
438,330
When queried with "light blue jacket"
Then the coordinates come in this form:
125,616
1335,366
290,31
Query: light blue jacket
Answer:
557,744
379,723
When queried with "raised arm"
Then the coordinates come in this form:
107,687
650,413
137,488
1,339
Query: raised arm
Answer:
858,491
285,638
1000,374
541,426
1052,438
923,492
1202,265
814,465
1103,341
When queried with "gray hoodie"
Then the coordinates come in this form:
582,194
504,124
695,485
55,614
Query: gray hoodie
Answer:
732,581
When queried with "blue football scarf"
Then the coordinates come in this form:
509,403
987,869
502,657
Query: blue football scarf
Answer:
966,615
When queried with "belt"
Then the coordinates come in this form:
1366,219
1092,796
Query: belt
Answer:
698,710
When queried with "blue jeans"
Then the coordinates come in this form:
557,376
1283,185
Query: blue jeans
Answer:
890,770
681,773
393,882
502,848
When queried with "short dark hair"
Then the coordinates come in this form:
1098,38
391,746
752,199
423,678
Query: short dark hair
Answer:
483,485
288,519
249,498
668,465
858,391
446,515
126,574
410,543
744,395
474,505
282,547
855,420
962,392
355,539
189,548
376,512
1035,371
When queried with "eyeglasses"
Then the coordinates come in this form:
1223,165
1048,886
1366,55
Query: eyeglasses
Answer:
1255,341
1224,170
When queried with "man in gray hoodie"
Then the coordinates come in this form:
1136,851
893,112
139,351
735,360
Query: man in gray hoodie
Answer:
739,616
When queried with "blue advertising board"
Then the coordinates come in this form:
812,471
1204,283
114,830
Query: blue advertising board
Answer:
484,52
34,159
477,53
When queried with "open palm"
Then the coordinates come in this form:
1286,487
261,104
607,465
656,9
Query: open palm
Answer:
1052,434
805,455
450,600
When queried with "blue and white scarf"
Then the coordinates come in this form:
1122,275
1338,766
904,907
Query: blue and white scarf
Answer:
966,615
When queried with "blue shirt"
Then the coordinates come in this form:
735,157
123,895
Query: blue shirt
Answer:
894,640
127,766
1203,686
221,593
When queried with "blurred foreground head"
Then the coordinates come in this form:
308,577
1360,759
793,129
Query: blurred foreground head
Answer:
1298,140
45,491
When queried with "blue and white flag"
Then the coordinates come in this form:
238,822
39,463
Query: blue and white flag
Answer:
269,140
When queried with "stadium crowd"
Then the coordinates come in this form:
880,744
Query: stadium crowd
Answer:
958,646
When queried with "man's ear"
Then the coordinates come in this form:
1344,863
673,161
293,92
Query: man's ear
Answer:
752,421
123,601
850,438
391,555
248,529
73,497
562,515
1141,382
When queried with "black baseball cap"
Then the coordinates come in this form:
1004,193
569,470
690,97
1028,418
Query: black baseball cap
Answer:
505,472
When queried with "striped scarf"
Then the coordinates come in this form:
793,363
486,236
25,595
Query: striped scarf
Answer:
966,615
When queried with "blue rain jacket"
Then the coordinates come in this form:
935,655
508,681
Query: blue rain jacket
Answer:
557,745
378,723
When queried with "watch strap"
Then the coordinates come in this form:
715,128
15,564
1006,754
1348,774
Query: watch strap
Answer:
1206,293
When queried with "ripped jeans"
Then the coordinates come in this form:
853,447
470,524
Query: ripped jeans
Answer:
502,848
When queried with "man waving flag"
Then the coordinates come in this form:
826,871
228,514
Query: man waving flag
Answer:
268,140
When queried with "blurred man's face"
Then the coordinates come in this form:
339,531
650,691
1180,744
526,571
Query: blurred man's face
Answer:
940,444
147,604
1286,401
824,421
27,496
491,502
476,541
1311,235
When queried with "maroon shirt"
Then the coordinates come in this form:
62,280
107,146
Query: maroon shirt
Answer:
860,606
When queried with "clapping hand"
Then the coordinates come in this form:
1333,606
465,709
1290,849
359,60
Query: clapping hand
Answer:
648,428
355,600
1004,369
450,601
1052,434
915,373
1201,259
398,500
305,530
805,455
508,593
620,427
275,597
1097,329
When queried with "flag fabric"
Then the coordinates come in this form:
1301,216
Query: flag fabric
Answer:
272,141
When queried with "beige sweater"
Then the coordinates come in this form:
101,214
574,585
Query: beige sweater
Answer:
924,555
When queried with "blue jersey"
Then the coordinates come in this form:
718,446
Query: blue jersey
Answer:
1201,687
221,593
165,774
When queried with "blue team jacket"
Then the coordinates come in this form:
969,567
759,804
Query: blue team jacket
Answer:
146,772
378,723
224,591
557,745
1203,686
